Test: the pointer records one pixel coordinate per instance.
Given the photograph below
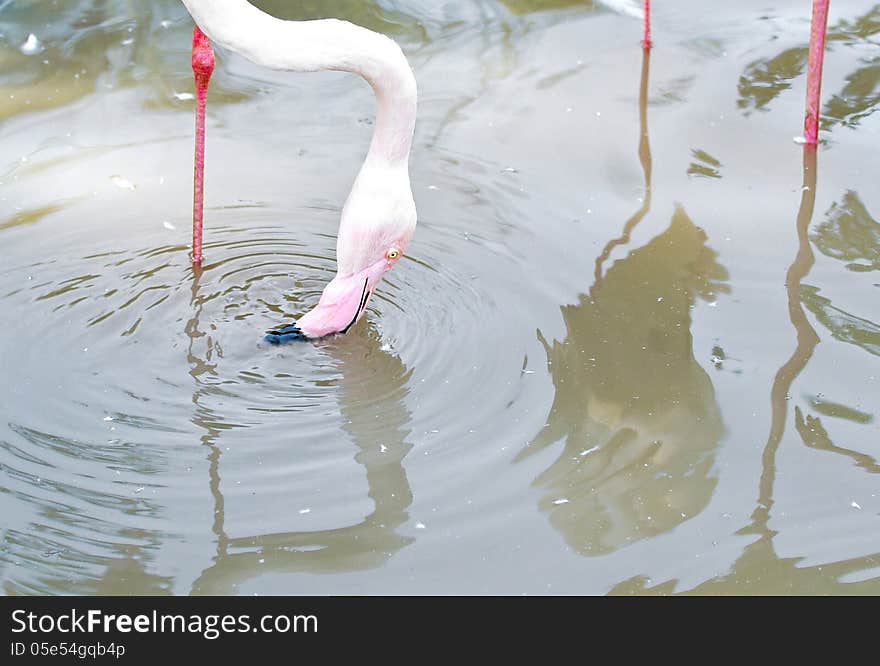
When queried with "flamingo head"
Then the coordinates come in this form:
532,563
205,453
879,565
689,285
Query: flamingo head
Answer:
365,252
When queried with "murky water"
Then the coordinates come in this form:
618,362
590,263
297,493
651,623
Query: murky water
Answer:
634,346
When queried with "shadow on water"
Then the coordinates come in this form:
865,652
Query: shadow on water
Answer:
636,411
382,445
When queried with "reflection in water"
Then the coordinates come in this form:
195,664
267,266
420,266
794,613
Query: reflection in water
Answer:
814,436
773,571
199,468
201,363
73,47
530,6
389,20
90,47
850,234
859,97
806,343
765,79
759,570
382,447
644,159
635,409
844,326
704,165
129,564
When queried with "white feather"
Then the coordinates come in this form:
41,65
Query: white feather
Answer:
629,7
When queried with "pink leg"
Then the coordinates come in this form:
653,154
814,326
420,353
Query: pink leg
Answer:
646,34
203,66
814,71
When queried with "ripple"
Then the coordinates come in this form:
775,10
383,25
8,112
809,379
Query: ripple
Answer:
153,370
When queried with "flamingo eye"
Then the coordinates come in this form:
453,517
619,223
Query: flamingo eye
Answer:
392,254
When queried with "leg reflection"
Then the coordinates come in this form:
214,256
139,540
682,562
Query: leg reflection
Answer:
806,343
760,570
382,444
645,160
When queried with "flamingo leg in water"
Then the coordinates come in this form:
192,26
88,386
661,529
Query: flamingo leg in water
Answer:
203,66
646,34
814,71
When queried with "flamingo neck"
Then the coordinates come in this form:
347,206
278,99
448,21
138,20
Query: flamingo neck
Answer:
326,44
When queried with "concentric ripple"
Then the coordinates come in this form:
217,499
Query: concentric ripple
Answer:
173,421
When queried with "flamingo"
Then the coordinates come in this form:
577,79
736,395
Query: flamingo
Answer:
818,28
379,215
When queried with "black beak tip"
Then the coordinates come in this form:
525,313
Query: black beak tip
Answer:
288,333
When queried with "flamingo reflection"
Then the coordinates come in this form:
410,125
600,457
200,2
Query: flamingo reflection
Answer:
759,569
382,445
636,411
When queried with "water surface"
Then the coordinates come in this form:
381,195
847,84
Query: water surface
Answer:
634,346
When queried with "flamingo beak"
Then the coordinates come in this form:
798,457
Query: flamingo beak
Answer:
342,303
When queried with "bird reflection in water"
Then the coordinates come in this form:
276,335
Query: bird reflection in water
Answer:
806,344
636,411
759,563
760,569
363,545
